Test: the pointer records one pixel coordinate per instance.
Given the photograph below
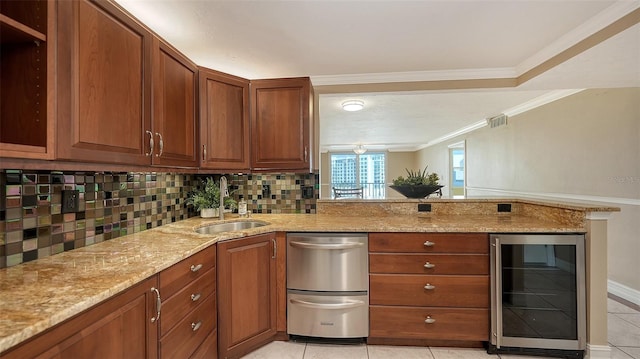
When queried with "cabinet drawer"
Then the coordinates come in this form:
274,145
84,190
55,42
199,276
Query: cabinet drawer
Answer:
177,306
447,323
189,333
429,242
209,348
177,276
447,291
429,263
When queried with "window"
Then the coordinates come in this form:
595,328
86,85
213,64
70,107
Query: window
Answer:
349,170
456,175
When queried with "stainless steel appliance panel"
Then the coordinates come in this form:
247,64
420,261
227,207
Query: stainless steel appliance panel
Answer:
328,316
327,262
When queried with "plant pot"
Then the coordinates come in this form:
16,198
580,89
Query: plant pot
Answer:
417,191
209,212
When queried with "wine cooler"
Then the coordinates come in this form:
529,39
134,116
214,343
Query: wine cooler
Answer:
538,294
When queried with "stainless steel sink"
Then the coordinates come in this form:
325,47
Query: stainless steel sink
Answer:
229,226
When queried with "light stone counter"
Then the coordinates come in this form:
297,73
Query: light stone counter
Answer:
37,295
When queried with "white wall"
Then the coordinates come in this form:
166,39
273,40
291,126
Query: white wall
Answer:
585,146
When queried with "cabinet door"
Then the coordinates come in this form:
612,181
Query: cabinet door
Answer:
120,327
246,294
224,121
280,121
103,84
174,114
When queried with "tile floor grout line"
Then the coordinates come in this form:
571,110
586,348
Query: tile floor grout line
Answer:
620,316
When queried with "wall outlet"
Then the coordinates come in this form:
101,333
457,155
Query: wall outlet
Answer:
504,207
70,200
307,192
266,190
424,207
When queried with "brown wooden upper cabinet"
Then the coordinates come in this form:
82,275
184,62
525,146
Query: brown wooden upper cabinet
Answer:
224,121
174,115
106,62
27,99
280,124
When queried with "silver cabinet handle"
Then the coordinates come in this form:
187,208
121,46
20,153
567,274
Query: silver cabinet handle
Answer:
195,297
306,154
204,153
158,305
275,248
429,265
429,244
195,268
429,320
151,144
326,246
429,287
346,305
196,326
161,144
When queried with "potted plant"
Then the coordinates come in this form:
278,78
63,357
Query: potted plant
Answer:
418,184
207,199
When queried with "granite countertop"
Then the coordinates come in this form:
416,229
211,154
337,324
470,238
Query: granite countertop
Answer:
37,295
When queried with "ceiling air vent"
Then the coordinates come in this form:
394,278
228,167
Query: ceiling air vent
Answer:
497,121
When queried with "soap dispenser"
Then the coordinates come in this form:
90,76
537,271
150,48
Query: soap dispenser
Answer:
242,207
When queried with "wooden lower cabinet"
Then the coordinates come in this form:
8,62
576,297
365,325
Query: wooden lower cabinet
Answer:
429,289
129,325
120,327
465,324
189,334
189,319
247,294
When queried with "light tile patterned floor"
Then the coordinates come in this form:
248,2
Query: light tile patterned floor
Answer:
624,338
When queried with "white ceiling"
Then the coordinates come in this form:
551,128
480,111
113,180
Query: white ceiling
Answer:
360,42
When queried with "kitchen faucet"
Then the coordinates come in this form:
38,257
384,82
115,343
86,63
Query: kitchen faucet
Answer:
224,192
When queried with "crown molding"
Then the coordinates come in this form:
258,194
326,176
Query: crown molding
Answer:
586,29
462,131
540,101
413,76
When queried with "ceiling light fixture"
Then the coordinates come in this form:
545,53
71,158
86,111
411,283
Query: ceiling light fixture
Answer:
353,105
359,150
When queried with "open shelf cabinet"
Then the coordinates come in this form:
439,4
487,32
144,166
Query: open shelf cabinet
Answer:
25,58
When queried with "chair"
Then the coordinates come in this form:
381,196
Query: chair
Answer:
347,192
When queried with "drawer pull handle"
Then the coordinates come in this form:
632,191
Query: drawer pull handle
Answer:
150,153
429,320
347,245
196,326
195,297
196,268
429,265
349,304
429,244
158,304
429,287
161,144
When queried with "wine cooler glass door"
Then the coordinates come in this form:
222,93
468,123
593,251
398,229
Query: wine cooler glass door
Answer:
539,291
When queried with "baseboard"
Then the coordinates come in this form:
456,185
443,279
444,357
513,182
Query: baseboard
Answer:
624,292
598,352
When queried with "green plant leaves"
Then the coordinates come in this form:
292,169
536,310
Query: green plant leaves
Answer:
417,177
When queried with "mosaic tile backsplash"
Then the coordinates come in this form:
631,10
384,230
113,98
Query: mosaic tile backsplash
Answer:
111,205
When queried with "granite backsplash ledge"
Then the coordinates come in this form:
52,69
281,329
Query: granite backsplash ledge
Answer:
114,204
